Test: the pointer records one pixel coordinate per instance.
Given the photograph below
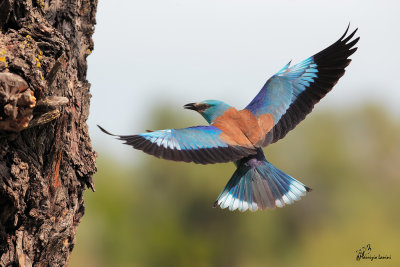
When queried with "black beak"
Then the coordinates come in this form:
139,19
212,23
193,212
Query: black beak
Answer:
192,106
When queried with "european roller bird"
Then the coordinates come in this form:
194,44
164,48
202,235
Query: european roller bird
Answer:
239,135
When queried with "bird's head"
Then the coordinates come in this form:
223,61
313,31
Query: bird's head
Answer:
209,109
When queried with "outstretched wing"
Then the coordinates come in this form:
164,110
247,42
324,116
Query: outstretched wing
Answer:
292,93
201,144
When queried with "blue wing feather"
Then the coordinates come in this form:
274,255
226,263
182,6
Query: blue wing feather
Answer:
274,98
201,144
293,91
283,88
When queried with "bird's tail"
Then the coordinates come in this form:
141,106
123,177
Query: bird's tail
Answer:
257,184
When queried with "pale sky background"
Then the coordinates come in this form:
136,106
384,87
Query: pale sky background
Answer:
150,52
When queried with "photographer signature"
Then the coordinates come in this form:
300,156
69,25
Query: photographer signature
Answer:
365,253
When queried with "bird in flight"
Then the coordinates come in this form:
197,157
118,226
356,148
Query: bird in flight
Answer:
239,135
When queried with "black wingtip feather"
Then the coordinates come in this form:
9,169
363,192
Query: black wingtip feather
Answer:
344,34
350,36
105,131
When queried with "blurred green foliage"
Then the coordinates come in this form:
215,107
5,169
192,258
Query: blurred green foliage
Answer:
159,213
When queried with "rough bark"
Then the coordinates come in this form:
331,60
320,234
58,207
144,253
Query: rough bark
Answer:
46,158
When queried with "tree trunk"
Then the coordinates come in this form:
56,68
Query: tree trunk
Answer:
46,158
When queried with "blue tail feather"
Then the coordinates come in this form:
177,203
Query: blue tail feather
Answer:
257,184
